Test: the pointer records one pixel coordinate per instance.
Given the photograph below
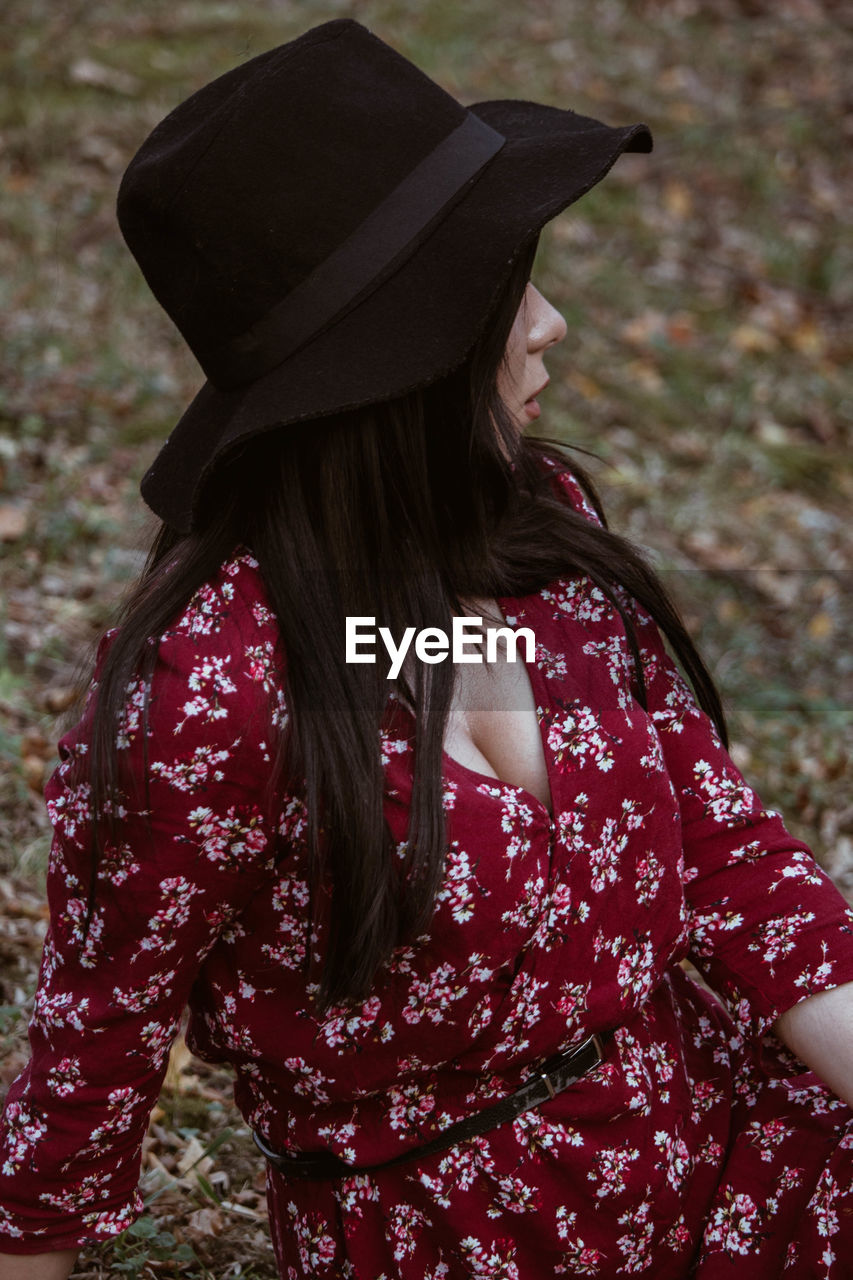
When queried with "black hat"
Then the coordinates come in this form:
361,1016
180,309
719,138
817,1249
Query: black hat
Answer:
327,227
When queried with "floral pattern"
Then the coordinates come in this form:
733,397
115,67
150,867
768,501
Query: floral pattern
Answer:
697,1147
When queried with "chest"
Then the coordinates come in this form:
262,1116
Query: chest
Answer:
493,726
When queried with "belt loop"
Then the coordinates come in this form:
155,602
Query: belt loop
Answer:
552,1092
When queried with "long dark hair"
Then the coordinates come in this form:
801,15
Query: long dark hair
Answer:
400,511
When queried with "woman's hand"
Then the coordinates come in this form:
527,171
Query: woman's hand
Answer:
819,1030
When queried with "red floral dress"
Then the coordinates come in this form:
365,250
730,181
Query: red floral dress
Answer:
695,1149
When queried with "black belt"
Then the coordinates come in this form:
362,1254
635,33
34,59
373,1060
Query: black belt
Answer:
556,1074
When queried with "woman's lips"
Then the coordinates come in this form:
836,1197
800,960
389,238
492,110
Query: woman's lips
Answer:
531,406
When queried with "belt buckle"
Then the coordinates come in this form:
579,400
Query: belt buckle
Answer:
593,1041
598,1045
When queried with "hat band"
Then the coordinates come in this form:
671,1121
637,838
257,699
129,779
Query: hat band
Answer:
349,270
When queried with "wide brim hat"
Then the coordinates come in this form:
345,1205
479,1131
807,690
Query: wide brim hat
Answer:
329,228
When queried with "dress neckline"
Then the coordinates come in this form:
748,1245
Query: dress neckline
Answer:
492,780
534,675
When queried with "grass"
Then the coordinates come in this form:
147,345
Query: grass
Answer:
708,292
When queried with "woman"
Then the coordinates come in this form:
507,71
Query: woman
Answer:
435,922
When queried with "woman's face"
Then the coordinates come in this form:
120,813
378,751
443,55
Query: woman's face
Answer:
537,326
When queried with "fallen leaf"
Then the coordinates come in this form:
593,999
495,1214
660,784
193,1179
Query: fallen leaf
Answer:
87,71
748,338
205,1222
589,389
821,626
640,330
644,374
683,112
58,700
194,1162
680,329
33,770
13,522
153,1164
242,1211
807,339
769,431
179,1059
677,200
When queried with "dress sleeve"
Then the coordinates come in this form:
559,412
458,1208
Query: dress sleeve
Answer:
193,846
767,926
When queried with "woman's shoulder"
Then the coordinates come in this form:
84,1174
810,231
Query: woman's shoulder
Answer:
200,714
221,655
214,669
232,602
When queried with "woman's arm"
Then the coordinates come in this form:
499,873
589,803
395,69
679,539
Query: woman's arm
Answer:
41,1266
819,1030
765,923
195,843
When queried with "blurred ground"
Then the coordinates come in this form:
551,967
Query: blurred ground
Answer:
709,294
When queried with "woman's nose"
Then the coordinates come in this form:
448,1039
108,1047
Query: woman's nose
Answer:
547,326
